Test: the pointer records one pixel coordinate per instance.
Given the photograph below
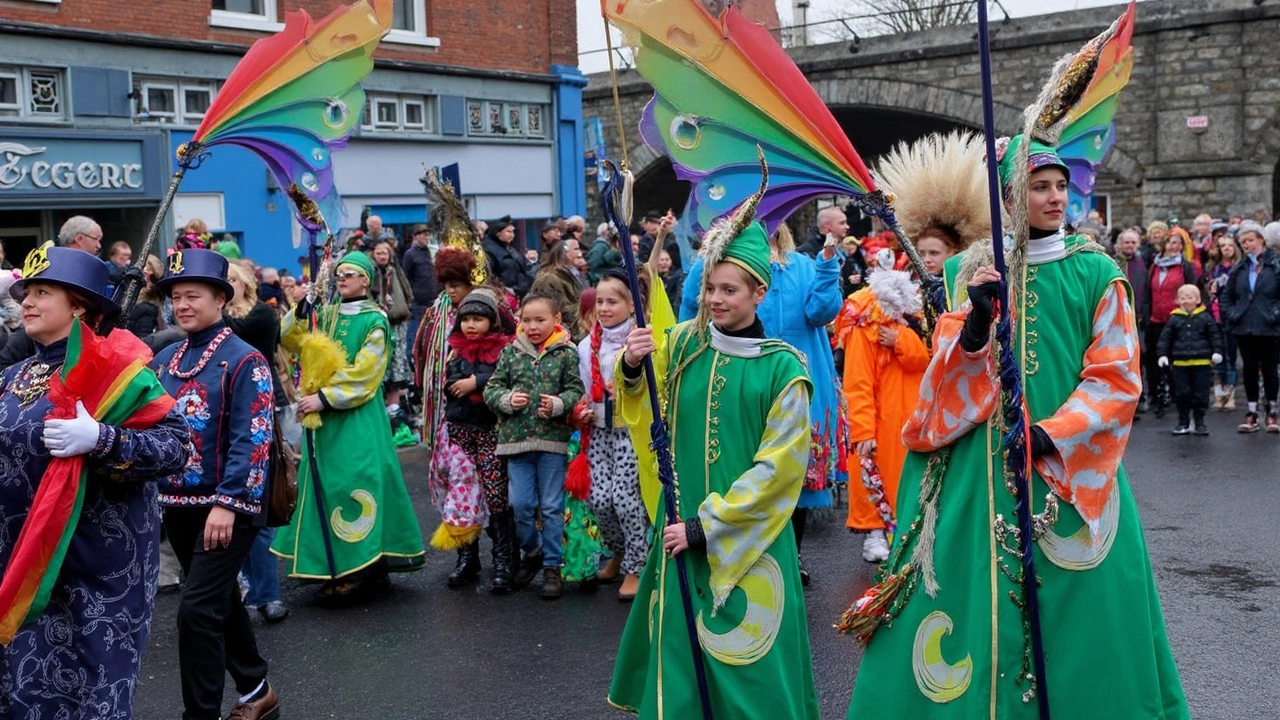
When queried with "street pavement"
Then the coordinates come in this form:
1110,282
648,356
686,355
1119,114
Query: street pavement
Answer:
1209,507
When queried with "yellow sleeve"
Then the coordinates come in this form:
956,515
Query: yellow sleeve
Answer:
744,522
634,410
357,383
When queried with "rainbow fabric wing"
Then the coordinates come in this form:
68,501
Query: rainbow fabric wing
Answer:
722,86
1090,133
295,97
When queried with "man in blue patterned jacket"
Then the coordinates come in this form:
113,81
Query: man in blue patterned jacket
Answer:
213,509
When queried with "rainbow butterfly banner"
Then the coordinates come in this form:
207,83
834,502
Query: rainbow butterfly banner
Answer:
1091,130
723,85
295,97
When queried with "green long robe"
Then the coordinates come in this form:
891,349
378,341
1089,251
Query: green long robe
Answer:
738,415
958,655
367,511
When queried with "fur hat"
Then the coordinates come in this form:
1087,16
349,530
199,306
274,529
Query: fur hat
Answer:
939,182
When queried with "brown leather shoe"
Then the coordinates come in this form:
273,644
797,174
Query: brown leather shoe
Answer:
552,584
610,571
630,584
265,707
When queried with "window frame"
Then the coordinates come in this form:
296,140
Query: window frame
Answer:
378,100
144,105
418,34
22,110
186,116
266,21
14,109
421,104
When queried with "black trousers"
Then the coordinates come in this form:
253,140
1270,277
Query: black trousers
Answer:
215,636
1191,391
1260,353
1157,377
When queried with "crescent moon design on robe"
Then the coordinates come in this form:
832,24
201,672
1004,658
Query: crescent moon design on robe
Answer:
358,529
939,680
1079,551
653,603
754,635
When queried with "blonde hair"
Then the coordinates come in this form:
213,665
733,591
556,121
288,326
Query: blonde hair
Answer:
240,308
150,293
197,226
785,242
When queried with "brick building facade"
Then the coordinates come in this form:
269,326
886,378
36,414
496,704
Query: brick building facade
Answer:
117,86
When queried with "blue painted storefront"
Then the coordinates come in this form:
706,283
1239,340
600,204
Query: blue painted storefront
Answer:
258,216
571,178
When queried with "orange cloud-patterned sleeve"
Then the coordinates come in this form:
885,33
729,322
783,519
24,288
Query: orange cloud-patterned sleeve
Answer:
957,393
1091,428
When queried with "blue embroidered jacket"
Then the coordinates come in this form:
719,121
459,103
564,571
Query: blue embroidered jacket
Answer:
81,657
228,405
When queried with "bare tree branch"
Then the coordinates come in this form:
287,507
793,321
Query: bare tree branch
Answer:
882,17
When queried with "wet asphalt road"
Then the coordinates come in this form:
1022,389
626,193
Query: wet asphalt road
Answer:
1210,507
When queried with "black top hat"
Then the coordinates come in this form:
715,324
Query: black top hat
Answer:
204,266
74,269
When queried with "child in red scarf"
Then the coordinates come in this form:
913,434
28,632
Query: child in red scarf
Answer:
479,335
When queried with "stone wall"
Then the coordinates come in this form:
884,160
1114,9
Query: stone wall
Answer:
1211,58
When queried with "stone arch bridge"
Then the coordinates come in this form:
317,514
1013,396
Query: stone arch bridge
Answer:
1198,128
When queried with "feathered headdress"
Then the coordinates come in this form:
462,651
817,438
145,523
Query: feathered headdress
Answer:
1075,108
715,244
939,181
456,228
1080,87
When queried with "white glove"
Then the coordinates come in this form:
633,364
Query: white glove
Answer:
831,241
1216,358
68,438
1163,362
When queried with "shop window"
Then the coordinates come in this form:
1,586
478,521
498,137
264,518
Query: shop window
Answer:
46,93
244,14
10,105
414,117
386,113
409,24
172,101
412,113
515,119
534,123
512,120
159,102
33,93
195,102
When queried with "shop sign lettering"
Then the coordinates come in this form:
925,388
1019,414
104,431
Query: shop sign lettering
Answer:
35,168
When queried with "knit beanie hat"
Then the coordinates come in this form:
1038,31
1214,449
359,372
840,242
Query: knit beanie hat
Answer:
479,302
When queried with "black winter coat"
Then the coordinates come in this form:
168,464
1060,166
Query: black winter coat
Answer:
508,265
1253,312
1190,337
469,409
144,320
261,330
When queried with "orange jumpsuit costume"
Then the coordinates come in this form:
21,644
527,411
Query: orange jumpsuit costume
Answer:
881,387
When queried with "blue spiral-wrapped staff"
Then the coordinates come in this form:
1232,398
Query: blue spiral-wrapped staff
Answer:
611,200
1015,439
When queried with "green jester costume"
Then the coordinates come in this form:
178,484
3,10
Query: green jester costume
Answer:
737,407
366,509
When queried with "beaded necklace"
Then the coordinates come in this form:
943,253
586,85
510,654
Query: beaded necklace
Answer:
207,355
